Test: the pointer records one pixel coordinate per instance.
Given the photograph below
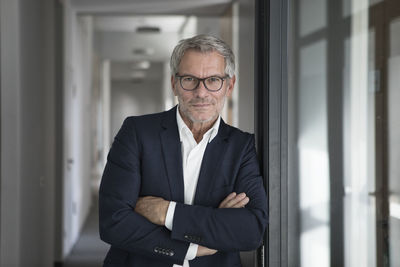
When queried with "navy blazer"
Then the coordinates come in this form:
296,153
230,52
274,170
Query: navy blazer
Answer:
145,160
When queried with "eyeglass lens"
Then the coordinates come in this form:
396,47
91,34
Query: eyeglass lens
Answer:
211,83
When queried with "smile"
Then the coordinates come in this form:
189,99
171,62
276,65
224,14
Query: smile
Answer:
201,105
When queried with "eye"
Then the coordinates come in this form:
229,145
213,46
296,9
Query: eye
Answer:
213,79
187,79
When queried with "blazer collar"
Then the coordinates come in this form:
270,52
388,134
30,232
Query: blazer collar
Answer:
172,153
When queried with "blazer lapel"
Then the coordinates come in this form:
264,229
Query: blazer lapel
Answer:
211,163
171,149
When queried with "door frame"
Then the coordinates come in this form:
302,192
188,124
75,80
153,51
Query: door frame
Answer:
271,98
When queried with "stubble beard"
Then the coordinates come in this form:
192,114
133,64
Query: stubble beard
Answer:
188,114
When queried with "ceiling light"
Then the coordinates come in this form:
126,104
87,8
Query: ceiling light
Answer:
140,65
143,51
138,74
148,29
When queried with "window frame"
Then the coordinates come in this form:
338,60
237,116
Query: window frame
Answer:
271,122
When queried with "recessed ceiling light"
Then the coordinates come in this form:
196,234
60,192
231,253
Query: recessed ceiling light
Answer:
148,29
140,65
143,51
138,74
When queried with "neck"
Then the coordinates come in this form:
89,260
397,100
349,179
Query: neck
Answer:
198,129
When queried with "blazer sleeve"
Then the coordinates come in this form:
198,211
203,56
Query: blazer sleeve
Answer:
119,224
228,229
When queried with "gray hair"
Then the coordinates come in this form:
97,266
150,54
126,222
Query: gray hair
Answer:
203,43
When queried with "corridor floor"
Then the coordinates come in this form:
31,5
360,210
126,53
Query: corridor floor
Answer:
89,251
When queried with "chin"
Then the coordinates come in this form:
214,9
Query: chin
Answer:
203,119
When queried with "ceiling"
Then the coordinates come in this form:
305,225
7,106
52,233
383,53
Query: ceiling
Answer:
134,7
166,23
117,39
116,24
133,72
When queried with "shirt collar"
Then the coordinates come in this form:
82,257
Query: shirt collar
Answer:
213,131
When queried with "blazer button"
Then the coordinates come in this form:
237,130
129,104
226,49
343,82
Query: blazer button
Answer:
156,250
171,253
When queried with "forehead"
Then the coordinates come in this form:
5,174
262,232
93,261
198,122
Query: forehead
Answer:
197,62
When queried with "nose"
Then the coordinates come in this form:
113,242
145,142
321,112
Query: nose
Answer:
201,90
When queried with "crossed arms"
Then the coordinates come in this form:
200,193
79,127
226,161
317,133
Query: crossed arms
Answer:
155,210
125,225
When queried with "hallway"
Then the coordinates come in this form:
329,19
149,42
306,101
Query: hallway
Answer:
317,83
89,251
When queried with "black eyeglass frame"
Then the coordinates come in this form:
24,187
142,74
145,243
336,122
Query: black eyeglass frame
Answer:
201,80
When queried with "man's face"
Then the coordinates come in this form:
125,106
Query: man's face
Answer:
201,105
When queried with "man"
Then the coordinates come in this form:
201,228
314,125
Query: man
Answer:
181,187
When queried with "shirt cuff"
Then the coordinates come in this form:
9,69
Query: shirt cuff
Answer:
169,218
192,252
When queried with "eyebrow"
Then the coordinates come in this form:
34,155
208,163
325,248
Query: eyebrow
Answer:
214,75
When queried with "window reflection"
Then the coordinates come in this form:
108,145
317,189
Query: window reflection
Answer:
344,133
394,139
313,155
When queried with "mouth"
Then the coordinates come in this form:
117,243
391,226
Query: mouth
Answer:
201,105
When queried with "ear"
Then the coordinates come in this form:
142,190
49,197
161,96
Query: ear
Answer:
173,85
231,85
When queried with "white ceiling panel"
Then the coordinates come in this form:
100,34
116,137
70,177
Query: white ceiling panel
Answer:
127,71
119,46
130,23
188,7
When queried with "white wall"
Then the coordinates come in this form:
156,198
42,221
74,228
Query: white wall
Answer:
27,133
209,25
169,99
132,99
245,60
78,40
10,133
105,110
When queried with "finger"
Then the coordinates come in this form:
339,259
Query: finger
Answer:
227,199
241,203
204,251
231,203
139,201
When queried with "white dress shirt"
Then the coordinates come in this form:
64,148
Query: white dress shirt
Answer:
192,156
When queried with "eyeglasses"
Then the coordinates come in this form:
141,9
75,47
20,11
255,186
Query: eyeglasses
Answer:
212,83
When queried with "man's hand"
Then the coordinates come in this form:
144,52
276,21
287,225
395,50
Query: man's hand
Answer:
153,209
203,251
234,201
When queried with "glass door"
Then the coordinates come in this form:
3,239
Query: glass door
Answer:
343,133
392,27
